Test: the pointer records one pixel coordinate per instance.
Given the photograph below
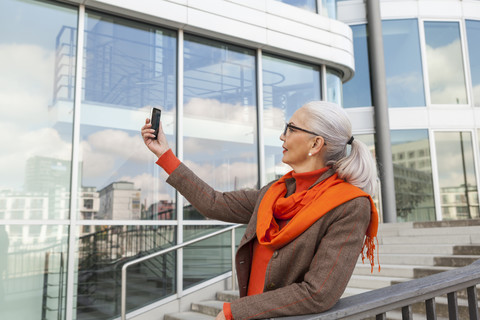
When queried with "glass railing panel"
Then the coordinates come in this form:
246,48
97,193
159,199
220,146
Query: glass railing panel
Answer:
33,269
103,250
208,258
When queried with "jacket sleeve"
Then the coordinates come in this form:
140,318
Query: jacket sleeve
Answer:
327,273
235,206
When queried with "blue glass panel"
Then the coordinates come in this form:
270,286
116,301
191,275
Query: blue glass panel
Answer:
310,5
334,87
37,55
329,8
356,92
220,115
456,175
287,85
129,68
413,175
446,73
403,63
473,40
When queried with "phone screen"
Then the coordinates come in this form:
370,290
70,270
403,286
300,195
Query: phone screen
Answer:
155,119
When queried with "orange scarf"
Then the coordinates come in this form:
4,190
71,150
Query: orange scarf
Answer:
305,208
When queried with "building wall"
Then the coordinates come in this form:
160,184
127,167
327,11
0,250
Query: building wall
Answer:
80,193
432,78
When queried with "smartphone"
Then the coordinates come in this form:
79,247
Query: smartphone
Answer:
155,119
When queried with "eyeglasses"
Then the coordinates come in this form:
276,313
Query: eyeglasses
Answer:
291,126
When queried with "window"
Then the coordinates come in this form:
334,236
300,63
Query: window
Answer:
334,87
446,73
310,5
413,184
473,40
356,92
403,63
220,114
36,101
329,9
88,203
456,170
287,85
129,67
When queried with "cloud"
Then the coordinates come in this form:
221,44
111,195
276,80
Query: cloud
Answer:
26,88
212,108
446,76
450,162
118,143
227,176
26,84
18,147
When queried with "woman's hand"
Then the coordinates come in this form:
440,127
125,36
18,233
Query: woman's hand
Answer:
220,316
159,145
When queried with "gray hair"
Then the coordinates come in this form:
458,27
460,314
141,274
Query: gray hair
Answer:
332,123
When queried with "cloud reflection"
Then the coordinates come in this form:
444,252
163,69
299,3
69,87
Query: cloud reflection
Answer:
446,76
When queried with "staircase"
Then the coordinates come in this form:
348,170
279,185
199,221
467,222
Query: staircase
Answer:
407,251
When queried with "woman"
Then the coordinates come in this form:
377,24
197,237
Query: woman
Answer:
304,231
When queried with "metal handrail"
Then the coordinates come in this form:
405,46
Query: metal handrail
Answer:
174,248
377,302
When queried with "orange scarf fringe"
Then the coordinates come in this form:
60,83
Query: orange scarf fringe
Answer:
305,208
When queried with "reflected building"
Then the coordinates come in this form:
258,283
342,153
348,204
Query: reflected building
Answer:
460,203
119,200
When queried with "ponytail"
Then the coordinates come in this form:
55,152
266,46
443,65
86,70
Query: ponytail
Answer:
358,168
332,123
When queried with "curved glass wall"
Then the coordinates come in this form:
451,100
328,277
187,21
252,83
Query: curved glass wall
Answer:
220,141
357,92
334,87
446,74
473,41
413,175
287,85
36,105
403,63
456,175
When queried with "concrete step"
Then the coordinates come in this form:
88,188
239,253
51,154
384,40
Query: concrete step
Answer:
473,249
443,249
351,291
228,296
425,259
208,307
387,270
372,282
406,232
446,224
427,240
189,315
401,271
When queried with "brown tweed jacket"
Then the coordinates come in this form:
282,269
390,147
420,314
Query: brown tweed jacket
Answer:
306,276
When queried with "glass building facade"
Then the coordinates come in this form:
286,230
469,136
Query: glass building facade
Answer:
80,194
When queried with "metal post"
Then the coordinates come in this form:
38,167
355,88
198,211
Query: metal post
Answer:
234,274
379,97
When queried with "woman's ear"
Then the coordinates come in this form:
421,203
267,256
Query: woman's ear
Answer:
318,144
